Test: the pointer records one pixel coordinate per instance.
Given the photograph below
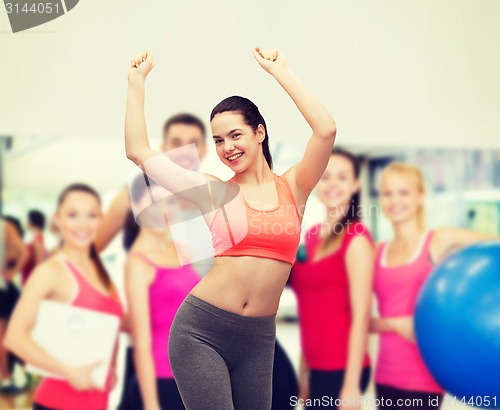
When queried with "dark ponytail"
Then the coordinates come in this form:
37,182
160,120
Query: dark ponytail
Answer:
130,231
251,115
94,255
139,186
101,270
267,151
353,211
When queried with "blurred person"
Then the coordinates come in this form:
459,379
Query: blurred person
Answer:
53,230
157,281
13,256
179,130
74,276
222,339
401,268
333,288
36,247
16,223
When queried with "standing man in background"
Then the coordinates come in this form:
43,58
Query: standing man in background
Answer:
179,130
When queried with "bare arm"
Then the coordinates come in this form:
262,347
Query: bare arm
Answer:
18,339
381,325
309,170
402,325
136,136
448,240
137,281
359,261
113,219
159,167
303,378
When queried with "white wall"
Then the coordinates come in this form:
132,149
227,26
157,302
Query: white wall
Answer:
413,72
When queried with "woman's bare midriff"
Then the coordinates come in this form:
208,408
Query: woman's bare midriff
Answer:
244,285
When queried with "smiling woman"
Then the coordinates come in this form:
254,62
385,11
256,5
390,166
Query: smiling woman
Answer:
244,116
222,339
332,283
74,276
402,266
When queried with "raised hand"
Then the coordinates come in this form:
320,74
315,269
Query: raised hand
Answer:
141,65
270,60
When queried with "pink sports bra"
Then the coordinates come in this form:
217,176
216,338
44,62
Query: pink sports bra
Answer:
240,230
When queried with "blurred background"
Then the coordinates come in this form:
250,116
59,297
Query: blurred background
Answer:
415,81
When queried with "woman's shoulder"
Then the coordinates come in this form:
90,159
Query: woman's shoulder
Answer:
356,232
137,257
50,269
357,228
54,263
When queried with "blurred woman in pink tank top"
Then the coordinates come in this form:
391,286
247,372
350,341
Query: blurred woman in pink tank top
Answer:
75,276
157,280
401,268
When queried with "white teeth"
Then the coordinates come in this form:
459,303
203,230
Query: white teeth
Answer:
233,157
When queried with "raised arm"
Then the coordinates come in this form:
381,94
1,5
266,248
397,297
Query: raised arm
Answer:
191,185
306,173
136,136
113,220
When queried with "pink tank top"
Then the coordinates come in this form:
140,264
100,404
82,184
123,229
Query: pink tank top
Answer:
59,394
238,229
168,290
399,362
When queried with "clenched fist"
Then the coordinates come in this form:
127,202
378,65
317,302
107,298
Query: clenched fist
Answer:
270,60
141,65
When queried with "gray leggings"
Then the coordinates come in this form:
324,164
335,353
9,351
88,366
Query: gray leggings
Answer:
221,360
